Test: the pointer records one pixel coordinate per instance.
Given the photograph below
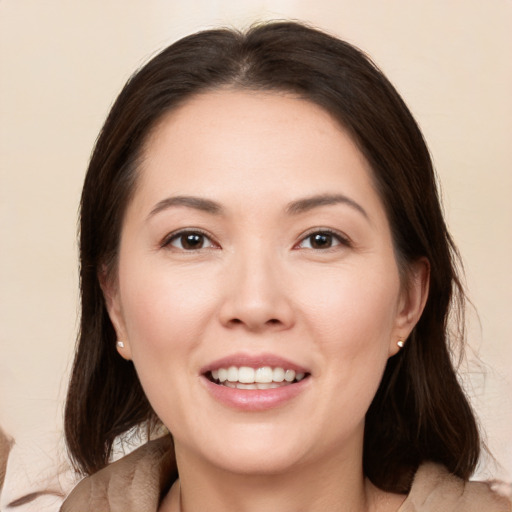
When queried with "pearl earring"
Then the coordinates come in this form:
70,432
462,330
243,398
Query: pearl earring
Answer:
400,343
120,344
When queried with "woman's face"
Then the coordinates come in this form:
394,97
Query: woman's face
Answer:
256,248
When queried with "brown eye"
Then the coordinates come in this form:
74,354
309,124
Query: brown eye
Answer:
322,240
190,241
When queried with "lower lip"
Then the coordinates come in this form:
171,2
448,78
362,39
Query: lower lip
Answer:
255,399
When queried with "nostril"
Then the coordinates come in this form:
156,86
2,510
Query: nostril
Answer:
270,322
255,318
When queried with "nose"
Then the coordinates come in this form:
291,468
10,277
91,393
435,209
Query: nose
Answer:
257,297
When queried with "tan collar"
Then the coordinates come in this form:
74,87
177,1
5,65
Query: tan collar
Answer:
137,483
434,489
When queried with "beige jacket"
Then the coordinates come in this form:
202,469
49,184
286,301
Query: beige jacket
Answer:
136,482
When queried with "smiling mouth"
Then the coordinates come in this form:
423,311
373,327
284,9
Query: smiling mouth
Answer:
245,377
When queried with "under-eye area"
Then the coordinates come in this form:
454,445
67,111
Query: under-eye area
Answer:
245,377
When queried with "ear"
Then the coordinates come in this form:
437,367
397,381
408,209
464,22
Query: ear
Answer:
110,288
412,302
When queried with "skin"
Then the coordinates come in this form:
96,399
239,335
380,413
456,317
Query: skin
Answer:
257,283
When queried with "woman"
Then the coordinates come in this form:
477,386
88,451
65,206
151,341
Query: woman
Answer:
265,270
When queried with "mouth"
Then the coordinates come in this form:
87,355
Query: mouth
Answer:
247,378
252,383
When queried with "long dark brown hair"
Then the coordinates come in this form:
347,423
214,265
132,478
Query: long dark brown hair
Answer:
420,412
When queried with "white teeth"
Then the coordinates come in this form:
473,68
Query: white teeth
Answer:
246,386
269,385
257,385
264,385
233,374
289,375
278,375
245,377
264,375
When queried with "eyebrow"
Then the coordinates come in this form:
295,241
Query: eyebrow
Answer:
309,203
294,208
28,498
197,203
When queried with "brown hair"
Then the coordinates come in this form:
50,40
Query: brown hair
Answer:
5,447
419,412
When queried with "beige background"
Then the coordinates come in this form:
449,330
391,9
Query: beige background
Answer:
62,63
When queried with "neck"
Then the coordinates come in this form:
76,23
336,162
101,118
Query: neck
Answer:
337,484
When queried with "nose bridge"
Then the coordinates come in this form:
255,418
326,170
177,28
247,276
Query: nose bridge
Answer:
257,296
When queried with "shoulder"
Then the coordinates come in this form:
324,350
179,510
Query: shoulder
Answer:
434,489
133,483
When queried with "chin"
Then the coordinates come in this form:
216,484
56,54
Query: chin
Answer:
258,462
250,450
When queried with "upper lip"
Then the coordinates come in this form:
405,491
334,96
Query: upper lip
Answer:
253,361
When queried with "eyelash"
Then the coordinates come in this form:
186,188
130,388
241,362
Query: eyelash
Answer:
341,239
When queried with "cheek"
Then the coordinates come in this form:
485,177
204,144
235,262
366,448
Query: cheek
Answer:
163,311
351,315
165,315
354,306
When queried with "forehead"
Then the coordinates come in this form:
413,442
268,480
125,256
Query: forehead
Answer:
217,118
258,144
